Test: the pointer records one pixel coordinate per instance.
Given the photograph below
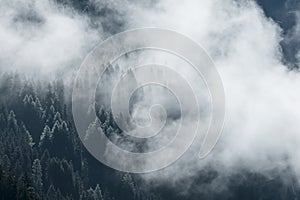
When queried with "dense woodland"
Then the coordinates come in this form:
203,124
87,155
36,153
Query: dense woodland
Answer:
41,156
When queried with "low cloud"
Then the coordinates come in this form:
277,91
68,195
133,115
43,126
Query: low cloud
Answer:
261,132
42,36
262,126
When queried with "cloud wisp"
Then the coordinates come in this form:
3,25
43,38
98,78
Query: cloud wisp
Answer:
42,36
261,132
262,126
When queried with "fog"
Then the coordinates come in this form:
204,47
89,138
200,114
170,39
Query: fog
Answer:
42,37
261,131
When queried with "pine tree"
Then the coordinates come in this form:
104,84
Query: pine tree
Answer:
12,122
90,194
37,175
5,163
45,140
57,117
98,193
85,173
45,163
51,193
31,116
27,136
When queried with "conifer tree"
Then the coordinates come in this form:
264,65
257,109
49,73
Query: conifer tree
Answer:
98,193
37,175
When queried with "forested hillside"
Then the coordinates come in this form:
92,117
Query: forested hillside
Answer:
41,156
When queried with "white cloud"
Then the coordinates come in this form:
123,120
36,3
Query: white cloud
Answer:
262,124
41,36
263,119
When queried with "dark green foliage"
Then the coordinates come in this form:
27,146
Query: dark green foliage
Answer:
41,156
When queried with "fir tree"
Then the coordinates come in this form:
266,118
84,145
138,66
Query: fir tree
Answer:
37,175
